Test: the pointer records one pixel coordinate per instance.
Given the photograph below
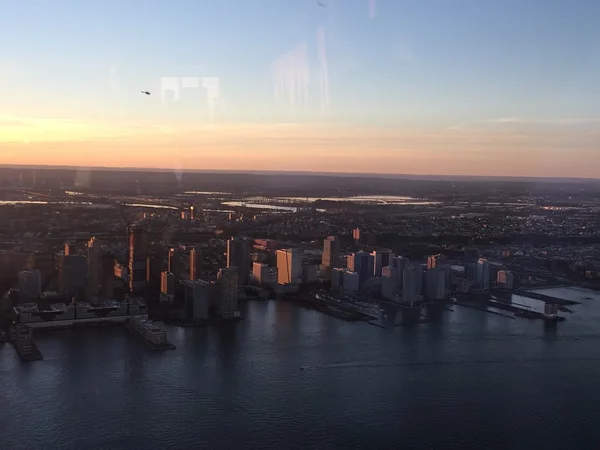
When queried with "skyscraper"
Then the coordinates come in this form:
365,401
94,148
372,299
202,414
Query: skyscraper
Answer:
400,263
174,263
195,264
363,264
435,284
138,253
167,283
289,266
72,275
238,255
155,265
30,285
331,252
196,299
227,282
389,283
412,284
94,268
483,274
381,258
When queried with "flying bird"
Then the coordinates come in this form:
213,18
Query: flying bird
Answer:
321,3
146,92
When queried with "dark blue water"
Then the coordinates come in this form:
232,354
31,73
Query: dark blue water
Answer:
473,380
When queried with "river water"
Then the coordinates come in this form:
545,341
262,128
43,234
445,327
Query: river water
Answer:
470,380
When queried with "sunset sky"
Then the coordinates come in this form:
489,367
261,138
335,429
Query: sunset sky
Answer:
494,87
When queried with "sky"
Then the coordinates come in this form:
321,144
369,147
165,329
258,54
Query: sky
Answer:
494,87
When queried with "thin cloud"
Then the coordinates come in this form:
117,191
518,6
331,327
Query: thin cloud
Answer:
556,121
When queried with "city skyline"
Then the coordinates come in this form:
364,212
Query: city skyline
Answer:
360,87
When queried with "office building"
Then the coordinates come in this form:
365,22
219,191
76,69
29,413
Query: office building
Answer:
94,267
44,261
309,273
471,272
227,291
289,266
505,279
72,273
331,252
196,264
483,274
238,255
174,263
390,286
412,281
344,280
197,299
264,275
137,260
381,259
155,265
363,264
30,285
432,261
399,263
435,284
167,283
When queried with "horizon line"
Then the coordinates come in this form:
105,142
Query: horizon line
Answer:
424,177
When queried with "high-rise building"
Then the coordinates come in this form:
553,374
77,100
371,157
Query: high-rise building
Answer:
400,263
389,283
412,284
30,285
238,255
67,249
44,261
432,261
356,235
174,263
345,280
167,283
331,252
435,284
363,264
381,258
471,272
289,266
94,268
72,275
505,279
195,264
155,265
483,274
227,283
197,299
138,254
263,274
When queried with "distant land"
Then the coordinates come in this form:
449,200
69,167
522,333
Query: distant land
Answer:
428,177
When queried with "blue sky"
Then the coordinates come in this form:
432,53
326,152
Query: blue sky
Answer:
418,63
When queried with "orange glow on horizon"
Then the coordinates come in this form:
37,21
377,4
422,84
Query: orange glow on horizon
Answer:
484,149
